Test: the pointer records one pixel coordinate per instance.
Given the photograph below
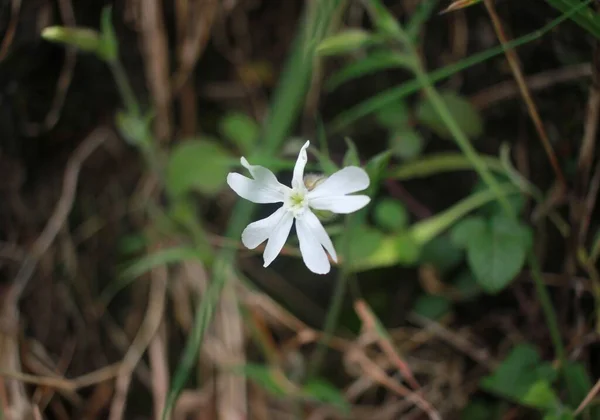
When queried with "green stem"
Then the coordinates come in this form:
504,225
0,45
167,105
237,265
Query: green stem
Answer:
335,309
548,309
124,87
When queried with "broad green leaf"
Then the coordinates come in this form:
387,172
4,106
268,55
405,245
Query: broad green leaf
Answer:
391,215
322,391
432,306
372,63
497,253
521,377
241,130
197,165
406,143
351,158
345,42
465,115
466,229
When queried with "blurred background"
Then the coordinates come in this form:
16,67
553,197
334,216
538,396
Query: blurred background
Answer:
468,289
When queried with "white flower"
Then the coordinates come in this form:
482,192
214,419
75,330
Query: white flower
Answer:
298,202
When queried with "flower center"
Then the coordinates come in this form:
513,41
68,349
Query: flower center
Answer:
296,202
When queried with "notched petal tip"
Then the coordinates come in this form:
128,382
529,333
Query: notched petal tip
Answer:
244,162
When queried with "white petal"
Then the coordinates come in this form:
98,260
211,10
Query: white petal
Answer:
298,177
253,190
263,175
313,253
277,238
319,232
342,204
258,232
345,181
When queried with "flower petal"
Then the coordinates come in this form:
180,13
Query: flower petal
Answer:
253,190
277,238
263,176
345,181
313,253
298,177
313,222
342,204
258,232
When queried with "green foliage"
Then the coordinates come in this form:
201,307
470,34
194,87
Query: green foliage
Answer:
200,165
324,392
580,13
394,116
496,249
345,42
372,63
461,110
406,143
241,130
432,306
524,378
442,253
391,215
351,158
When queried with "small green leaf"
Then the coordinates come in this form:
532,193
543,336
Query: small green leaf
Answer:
84,39
497,253
467,286
522,377
365,241
241,130
394,116
466,229
135,130
442,253
382,18
409,250
345,42
372,63
263,376
406,143
391,215
322,391
109,46
197,164
462,111
432,306
351,158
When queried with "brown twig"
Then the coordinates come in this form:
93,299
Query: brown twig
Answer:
588,398
148,329
513,62
61,211
11,29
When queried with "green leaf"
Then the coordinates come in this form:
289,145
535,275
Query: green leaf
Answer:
467,286
524,378
263,376
432,306
385,22
391,215
109,46
197,164
442,253
465,115
351,157
406,143
408,249
365,241
241,130
481,410
345,42
84,39
466,229
497,253
135,130
394,116
372,63
578,377
322,391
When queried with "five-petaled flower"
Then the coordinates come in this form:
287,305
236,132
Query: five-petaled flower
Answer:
331,194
